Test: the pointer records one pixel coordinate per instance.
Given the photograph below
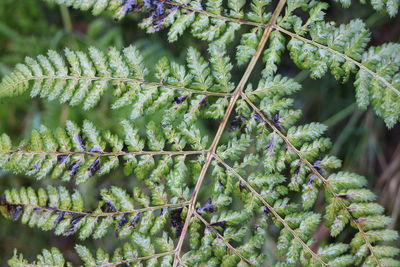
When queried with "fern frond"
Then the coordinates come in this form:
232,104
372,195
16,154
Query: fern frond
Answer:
342,50
208,21
349,201
55,208
82,78
264,146
207,202
390,6
75,153
127,254
48,257
353,204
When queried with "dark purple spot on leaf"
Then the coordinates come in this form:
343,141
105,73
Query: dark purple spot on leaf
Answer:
147,3
95,166
237,123
59,217
203,101
209,207
15,211
61,158
176,220
81,142
123,220
311,179
95,150
266,211
222,224
257,117
135,220
276,121
36,210
179,99
127,6
76,218
270,144
108,207
159,8
74,168
241,186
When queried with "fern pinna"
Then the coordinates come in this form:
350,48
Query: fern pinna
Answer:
206,198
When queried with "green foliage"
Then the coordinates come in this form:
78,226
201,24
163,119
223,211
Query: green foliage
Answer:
391,6
52,257
96,7
205,197
84,77
342,50
74,153
55,208
126,254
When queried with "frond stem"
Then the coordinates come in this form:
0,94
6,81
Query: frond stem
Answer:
103,154
102,214
221,128
116,79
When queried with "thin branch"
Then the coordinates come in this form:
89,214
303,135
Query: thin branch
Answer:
271,209
116,79
222,125
326,183
102,214
103,154
355,62
222,238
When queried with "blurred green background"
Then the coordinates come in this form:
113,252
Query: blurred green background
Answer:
31,27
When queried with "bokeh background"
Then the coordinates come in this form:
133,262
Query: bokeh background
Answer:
31,27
